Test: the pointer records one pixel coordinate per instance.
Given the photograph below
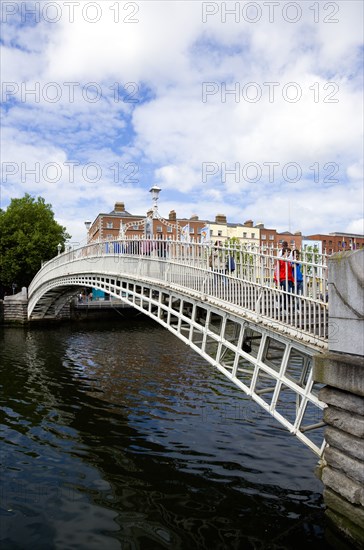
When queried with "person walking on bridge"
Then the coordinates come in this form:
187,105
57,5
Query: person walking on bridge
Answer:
217,263
284,276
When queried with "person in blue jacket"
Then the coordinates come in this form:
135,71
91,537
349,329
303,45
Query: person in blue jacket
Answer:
297,272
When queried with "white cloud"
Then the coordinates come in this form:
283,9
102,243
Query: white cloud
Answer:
169,134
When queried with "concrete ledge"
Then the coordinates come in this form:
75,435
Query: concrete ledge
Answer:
347,421
21,296
339,370
342,399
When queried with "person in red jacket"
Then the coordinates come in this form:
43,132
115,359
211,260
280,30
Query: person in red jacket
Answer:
284,273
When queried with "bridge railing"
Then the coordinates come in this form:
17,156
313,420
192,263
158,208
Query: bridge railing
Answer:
286,290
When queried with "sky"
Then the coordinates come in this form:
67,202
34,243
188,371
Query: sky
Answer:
248,109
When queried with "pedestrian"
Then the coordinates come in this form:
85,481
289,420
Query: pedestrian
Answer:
283,246
217,263
297,277
230,264
284,277
161,246
297,272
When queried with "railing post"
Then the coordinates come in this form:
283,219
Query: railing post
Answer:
342,372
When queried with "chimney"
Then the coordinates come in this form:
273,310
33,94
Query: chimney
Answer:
172,216
194,217
260,225
248,223
119,207
220,218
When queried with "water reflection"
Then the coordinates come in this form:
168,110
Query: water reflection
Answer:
120,436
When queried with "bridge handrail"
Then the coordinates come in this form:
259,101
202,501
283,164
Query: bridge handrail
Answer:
252,285
251,261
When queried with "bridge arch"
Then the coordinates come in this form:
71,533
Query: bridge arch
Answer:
269,362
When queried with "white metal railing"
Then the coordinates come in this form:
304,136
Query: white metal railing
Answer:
251,282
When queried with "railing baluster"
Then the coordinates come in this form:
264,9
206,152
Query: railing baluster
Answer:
251,287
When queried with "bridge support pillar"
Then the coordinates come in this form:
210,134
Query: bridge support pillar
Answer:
342,372
15,307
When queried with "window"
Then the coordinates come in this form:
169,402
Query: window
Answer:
109,225
135,226
244,235
192,230
169,229
219,233
159,229
253,235
263,237
271,237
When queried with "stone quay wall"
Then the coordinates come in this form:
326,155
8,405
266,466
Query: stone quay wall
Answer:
342,372
15,307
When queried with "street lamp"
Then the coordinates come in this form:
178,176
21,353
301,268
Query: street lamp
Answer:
87,225
59,246
155,190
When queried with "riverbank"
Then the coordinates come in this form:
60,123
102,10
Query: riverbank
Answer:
13,314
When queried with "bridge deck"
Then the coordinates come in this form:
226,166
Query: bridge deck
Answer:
253,331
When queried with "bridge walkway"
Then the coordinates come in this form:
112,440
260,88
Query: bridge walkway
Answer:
259,336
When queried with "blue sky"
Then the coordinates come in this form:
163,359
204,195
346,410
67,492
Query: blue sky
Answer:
250,109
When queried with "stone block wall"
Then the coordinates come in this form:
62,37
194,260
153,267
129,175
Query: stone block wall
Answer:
341,370
346,302
16,307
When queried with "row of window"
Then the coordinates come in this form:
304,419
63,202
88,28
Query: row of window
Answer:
159,229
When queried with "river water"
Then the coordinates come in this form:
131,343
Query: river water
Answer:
116,435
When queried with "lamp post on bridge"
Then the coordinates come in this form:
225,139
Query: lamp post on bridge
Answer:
87,225
155,190
152,215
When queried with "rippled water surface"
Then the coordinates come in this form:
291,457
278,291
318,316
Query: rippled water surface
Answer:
118,436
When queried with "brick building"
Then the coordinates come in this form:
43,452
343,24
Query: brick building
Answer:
338,242
110,226
270,238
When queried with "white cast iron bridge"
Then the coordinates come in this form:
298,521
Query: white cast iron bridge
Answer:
258,335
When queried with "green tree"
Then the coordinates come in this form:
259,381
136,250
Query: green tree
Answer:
29,234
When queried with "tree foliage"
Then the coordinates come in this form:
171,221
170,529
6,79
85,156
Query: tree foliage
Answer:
29,234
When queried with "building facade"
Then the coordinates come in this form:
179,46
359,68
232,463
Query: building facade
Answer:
119,222
338,242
